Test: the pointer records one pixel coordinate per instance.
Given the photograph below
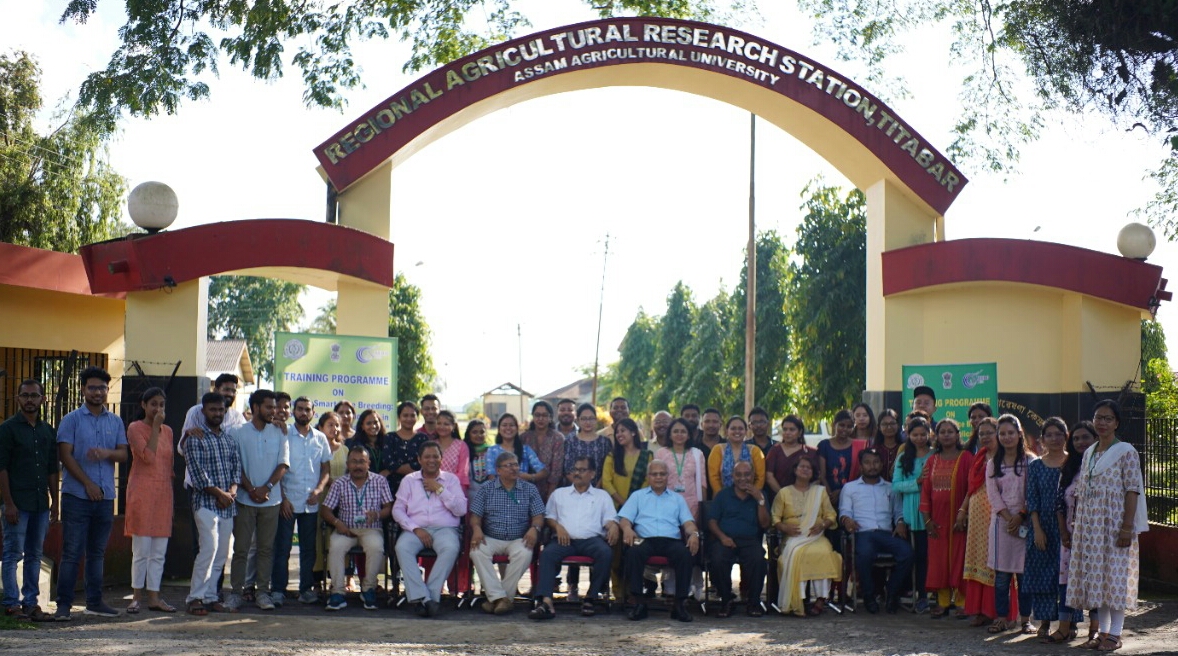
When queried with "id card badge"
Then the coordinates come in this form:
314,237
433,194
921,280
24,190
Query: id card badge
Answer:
680,489
361,520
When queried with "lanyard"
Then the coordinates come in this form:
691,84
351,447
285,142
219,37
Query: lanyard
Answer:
360,495
679,463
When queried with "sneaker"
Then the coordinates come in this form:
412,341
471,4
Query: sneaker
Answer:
308,597
336,602
278,597
265,601
369,599
100,609
62,614
922,606
234,602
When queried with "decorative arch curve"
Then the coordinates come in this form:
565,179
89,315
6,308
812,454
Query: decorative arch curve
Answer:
841,121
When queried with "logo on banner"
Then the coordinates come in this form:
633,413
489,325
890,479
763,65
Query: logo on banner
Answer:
366,354
915,380
972,380
294,349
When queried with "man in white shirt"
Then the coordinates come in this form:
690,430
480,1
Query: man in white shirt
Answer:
310,469
868,509
581,519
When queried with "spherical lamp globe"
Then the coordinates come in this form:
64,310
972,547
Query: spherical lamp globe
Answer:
1136,241
153,206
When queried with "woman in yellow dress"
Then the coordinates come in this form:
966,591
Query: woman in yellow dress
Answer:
624,472
802,512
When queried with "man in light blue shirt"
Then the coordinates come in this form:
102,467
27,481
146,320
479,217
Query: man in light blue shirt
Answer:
265,457
660,517
868,509
310,469
90,440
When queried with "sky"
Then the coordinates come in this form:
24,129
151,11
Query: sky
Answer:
511,264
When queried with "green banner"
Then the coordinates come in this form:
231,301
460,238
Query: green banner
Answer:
331,368
956,386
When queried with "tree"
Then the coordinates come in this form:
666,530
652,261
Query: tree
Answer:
57,190
828,300
771,352
253,309
634,366
416,375
707,378
169,48
673,336
1114,57
1158,384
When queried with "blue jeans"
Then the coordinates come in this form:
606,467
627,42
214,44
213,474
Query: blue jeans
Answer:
280,573
24,540
868,545
85,527
1002,595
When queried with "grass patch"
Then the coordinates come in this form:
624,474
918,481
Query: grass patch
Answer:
12,624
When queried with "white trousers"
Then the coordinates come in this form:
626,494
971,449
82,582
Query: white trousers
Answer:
520,557
372,540
147,561
214,532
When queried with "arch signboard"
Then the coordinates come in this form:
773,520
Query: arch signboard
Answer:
860,135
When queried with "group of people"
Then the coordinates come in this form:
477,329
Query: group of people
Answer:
989,529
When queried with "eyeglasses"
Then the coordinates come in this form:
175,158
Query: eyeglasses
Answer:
1103,418
96,388
28,396
658,473
509,465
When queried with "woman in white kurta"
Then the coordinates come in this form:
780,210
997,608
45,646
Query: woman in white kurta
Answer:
1110,512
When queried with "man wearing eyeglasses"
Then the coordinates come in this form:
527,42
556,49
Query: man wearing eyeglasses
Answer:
28,482
506,515
90,441
581,519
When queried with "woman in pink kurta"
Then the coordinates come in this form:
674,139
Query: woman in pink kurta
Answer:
456,460
148,519
1006,488
686,475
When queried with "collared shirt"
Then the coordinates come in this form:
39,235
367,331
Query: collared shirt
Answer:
415,508
351,502
29,455
213,461
307,455
873,507
506,514
656,515
196,419
261,452
84,431
582,514
737,518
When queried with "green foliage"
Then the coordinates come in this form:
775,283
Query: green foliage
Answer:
415,366
1161,396
1153,341
707,378
637,359
253,309
57,190
771,352
674,334
828,301
169,48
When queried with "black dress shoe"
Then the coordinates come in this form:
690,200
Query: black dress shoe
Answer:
872,606
754,609
725,608
893,605
679,611
649,588
639,612
422,610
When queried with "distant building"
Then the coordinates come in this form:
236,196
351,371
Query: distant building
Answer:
231,356
507,398
580,391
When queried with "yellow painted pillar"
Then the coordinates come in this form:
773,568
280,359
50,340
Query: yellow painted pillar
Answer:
169,325
362,308
894,327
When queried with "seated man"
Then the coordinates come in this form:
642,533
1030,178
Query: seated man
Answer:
657,516
869,510
355,506
738,519
429,508
582,521
506,515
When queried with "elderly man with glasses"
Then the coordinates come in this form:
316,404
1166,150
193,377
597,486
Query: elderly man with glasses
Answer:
506,516
582,521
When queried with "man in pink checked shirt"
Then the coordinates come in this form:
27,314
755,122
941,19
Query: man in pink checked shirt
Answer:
430,505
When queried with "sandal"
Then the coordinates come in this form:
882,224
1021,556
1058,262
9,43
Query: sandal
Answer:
1026,628
817,607
1057,637
541,612
588,609
218,607
197,607
1110,643
1044,630
979,620
1094,641
133,607
937,612
998,626
163,607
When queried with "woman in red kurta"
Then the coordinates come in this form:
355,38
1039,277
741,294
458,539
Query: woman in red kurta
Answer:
946,482
148,520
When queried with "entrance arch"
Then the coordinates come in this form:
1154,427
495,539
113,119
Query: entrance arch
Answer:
909,184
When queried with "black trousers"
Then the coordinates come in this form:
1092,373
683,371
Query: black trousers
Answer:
673,550
750,555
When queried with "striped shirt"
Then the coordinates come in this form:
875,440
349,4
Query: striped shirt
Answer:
212,462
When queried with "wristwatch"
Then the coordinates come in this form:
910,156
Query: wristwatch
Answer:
761,502
269,485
